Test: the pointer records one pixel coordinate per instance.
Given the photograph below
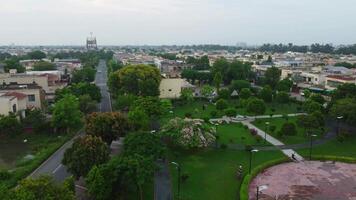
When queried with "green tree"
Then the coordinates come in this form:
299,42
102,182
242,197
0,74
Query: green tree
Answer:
238,85
224,94
86,104
245,93
282,97
221,104
346,108
87,74
288,128
109,126
317,98
41,188
231,112
139,170
256,106
84,88
145,144
347,90
85,153
312,106
13,63
138,119
217,81
187,95
284,85
66,113
36,119
272,77
141,80
44,66
266,94
10,125
207,91
150,105
37,55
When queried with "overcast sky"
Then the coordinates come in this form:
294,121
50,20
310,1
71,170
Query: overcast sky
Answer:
138,22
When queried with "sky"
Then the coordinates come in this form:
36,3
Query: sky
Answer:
157,22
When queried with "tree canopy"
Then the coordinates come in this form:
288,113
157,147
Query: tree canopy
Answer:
140,80
85,153
108,126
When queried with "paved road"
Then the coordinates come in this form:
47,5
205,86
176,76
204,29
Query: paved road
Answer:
162,182
52,166
101,79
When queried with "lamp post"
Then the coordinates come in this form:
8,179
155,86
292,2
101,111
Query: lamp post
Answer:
179,171
217,136
250,167
267,124
339,118
311,146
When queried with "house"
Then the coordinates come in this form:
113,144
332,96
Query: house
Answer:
13,102
171,88
35,95
49,82
333,81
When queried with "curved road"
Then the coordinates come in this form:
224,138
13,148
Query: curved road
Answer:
52,166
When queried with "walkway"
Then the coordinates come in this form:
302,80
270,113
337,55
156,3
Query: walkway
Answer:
274,141
162,182
246,120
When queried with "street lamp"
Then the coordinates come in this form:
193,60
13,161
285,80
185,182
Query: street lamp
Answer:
267,124
179,171
260,189
217,136
252,151
339,118
311,145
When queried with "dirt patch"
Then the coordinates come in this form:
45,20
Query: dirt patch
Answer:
307,180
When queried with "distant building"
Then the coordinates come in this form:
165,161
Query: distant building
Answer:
172,88
91,43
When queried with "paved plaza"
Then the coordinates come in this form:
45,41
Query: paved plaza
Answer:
306,180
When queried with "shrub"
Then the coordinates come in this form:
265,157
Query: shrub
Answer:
289,129
253,132
231,112
188,115
223,146
213,113
4,175
221,104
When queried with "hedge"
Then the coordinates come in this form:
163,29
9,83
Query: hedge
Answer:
334,158
244,188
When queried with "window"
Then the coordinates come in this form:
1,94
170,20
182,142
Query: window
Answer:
14,109
31,98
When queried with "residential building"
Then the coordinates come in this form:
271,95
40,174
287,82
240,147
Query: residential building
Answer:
13,102
333,81
171,88
34,93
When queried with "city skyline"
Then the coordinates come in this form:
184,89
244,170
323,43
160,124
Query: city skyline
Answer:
168,22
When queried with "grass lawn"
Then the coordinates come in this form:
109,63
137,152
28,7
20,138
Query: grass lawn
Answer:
235,134
212,173
13,150
278,122
334,148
